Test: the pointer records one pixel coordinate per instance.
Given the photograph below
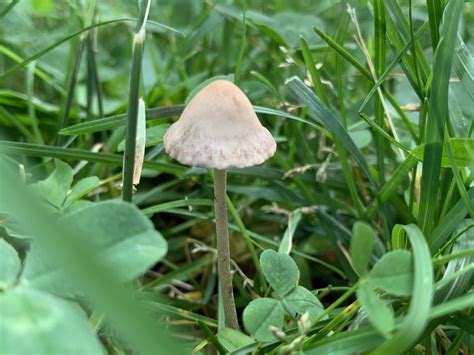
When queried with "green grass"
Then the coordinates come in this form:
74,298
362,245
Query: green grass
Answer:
372,112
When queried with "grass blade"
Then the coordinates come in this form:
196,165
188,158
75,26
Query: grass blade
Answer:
321,92
37,150
389,69
449,223
8,8
313,71
320,112
71,86
399,32
464,66
30,77
435,13
438,116
133,102
112,122
382,132
348,57
175,204
41,53
379,66
17,123
103,124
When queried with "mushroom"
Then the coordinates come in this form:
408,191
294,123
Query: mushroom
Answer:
219,130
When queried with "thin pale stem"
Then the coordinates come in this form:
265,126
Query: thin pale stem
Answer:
132,117
223,250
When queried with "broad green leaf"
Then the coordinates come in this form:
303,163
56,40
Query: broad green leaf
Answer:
55,187
461,148
122,236
34,322
362,243
14,228
80,189
362,138
418,313
39,273
232,339
70,249
154,136
78,205
260,314
301,300
379,313
286,27
10,265
280,270
42,8
393,273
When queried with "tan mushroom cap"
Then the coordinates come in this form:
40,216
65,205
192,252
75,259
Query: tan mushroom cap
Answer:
219,129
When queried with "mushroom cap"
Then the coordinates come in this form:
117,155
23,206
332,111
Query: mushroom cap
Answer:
219,129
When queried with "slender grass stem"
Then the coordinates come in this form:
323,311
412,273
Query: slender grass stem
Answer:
379,67
71,86
9,7
240,58
212,338
17,123
90,83
335,304
30,78
95,73
132,116
248,240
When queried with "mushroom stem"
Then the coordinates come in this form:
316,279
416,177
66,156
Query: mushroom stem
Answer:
223,251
